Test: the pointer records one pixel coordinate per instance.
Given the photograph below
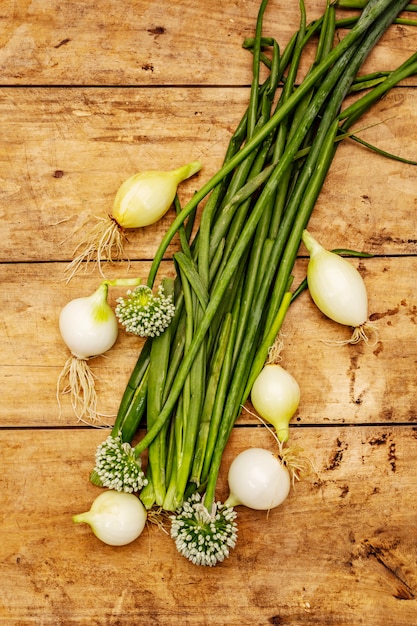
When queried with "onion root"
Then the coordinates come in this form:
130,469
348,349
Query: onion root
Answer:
104,243
364,333
77,380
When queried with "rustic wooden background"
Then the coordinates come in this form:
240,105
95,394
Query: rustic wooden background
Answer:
91,93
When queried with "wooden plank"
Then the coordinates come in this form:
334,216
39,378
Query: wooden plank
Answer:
348,384
340,550
65,152
152,44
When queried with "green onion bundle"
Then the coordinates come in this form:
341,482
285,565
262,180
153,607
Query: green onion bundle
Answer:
233,279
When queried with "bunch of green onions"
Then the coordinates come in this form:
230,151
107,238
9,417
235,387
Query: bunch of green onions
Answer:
233,284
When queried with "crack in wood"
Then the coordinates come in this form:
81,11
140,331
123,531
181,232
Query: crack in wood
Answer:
336,460
392,457
63,42
404,591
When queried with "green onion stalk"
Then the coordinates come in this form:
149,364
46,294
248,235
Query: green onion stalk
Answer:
233,285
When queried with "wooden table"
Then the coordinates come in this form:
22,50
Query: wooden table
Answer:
92,93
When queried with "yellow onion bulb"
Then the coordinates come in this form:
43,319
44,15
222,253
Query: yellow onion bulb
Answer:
141,200
144,198
275,396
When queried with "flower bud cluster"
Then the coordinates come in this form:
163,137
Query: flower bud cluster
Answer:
203,537
143,313
117,466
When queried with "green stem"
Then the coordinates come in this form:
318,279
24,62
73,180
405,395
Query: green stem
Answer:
340,61
215,200
158,367
253,100
190,271
221,393
389,155
355,110
128,424
238,390
132,403
209,400
262,351
369,15
360,4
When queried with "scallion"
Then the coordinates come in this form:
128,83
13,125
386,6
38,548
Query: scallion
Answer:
233,285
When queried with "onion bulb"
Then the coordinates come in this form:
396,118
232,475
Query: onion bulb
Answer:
141,200
275,395
337,289
115,517
258,479
89,328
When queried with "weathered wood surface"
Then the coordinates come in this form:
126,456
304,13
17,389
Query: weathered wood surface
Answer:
149,43
341,551
340,385
154,85
66,151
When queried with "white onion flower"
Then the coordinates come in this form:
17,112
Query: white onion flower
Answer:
204,537
117,467
142,313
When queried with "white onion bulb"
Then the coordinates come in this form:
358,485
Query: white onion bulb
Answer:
89,328
116,518
89,325
335,285
258,479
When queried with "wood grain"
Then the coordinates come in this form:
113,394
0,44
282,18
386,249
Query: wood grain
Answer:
90,94
65,153
345,384
339,551
146,43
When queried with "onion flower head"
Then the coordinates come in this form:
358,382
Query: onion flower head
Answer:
143,313
117,466
204,537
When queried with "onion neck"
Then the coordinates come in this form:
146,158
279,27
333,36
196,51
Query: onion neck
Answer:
311,244
232,501
186,171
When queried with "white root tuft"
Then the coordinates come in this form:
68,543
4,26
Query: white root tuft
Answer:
160,518
77,379
364,333
274,352
104,243
296,463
